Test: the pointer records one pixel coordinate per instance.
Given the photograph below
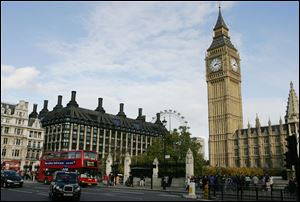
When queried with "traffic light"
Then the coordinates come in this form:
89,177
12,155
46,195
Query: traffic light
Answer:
291,154
287,160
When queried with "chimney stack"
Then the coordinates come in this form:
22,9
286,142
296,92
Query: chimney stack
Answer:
73,100
34,107
158,119
121,112
140,116
59,105
73,97
100,107
34,114
44,110
121,107
45,104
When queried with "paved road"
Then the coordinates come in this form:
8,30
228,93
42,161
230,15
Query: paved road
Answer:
39,192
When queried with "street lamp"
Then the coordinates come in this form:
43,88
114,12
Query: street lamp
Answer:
164,122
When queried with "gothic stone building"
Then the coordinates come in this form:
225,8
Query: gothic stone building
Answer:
75,128
229,144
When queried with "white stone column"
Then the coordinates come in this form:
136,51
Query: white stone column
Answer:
142,144
77,139
126,146
115,145
155,173
189,160
121,144
97,141
146,142
71,136
136,144
131,145
84,137
108,164
103,145
127,162
109,142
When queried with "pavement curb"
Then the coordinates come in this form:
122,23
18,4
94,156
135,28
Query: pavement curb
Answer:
145,189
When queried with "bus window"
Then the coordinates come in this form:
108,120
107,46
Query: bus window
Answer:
64,155
71,155
90,155
78,154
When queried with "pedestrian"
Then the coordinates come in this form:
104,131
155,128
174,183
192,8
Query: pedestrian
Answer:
130,180
112,179
255,181
187,183
105,180
142,182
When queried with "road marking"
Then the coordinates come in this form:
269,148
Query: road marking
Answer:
43,194
28,192
112,194
169,195
130,192
115,191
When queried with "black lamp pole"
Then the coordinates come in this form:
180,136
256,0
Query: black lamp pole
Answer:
164,147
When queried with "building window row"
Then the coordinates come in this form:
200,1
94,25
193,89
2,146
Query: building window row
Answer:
15,153
35,134
3,153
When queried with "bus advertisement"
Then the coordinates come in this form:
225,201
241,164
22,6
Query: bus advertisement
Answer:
83,162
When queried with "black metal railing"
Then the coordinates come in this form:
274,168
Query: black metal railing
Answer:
250,193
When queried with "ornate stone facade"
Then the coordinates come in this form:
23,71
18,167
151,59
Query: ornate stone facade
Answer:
229,144
224,94
21,135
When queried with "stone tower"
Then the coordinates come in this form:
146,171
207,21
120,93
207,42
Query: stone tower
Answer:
223,77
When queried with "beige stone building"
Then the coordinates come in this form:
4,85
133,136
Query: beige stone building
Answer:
229,144
16,128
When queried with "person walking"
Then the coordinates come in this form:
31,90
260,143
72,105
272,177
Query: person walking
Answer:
255,181
142,182
130,180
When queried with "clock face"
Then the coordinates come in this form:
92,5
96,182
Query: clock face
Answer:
215,64
234,64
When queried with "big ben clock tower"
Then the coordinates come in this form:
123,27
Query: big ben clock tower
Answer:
223,77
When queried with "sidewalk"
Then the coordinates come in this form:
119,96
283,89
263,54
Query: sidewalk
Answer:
168,189
177,190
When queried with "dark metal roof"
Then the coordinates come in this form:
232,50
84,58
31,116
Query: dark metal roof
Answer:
91,117
264,130
221,41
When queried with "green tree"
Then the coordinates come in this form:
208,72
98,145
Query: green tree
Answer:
176,145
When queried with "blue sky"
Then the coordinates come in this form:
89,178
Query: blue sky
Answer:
147,54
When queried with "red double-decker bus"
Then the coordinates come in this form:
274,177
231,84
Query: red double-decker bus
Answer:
83,162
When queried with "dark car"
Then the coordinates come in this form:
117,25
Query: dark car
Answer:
10,178
65,185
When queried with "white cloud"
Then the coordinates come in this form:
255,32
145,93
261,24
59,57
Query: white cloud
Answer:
13,78
144,54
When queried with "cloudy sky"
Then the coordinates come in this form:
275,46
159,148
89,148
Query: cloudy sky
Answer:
146,54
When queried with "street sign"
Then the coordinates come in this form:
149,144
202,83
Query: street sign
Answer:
167,156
